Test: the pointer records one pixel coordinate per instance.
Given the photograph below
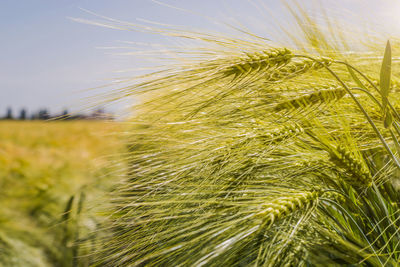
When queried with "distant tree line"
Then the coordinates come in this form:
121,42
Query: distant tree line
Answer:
44,114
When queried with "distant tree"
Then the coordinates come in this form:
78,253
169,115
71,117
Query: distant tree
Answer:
22,114
99,114
44,114
65,115
9,115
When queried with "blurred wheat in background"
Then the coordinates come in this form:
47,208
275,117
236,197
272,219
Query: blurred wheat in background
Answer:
246,151
52,173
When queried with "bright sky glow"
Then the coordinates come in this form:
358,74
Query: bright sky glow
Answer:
48,60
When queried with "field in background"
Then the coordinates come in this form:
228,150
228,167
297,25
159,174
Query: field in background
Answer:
52,175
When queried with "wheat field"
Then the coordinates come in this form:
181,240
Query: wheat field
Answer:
43,165
241,151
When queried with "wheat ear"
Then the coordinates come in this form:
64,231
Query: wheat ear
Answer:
283,206
322,96
287,131
359,175
296,68
259,61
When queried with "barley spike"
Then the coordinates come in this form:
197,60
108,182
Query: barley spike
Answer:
325,95
259,61
359,174
284,206
296,68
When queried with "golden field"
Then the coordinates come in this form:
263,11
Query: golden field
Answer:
52,176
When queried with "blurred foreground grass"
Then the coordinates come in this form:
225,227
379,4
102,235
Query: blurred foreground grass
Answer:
52,174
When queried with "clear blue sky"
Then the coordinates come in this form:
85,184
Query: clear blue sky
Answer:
48,60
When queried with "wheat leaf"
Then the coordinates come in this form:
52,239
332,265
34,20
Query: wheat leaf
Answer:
355,78
384,82
388,119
